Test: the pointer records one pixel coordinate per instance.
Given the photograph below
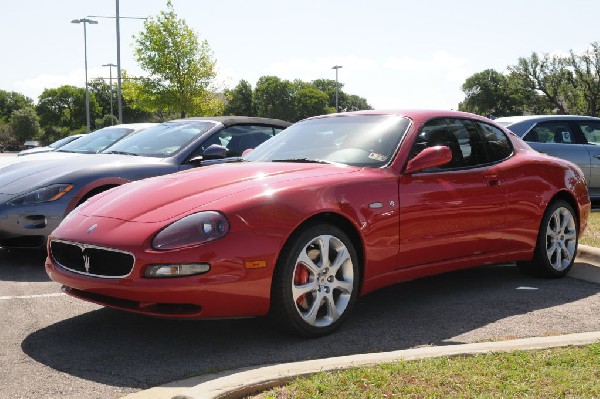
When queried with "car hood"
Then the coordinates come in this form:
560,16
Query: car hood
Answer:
167,197
28,174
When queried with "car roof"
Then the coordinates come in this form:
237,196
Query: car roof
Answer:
135,126
509,120
422,114
236,120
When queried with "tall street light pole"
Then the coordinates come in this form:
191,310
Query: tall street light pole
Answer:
119,101
337,107
86,21
110,65
117,18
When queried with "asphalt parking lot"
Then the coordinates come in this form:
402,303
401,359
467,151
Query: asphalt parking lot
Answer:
56,346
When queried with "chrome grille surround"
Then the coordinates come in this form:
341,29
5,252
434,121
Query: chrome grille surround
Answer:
91,260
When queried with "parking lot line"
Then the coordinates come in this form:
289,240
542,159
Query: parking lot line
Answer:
31,296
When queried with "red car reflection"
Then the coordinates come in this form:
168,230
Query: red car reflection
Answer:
331,208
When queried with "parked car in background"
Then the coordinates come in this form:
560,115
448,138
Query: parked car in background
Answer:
90,143
51,147
31,144
331,208
36,194
576,138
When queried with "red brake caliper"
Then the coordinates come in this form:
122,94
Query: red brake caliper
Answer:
301,276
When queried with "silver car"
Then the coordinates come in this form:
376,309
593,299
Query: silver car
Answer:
576,138
50,147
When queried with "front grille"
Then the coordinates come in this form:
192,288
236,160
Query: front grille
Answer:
91,260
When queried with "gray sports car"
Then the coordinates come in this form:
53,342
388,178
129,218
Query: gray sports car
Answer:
35,195
572,137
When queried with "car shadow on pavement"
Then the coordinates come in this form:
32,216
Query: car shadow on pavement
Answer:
21,265
487,303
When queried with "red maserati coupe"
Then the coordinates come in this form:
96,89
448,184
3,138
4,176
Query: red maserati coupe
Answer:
331,208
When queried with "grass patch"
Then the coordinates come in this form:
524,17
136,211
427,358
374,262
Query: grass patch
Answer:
572,372
591,236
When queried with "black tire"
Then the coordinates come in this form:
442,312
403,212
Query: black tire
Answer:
334,282
556,243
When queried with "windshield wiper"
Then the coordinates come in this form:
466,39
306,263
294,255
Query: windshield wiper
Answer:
121,153
301,160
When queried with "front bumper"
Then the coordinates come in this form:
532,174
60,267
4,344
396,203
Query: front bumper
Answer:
28,227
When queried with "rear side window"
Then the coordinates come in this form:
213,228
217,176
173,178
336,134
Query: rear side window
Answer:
497,144
552,132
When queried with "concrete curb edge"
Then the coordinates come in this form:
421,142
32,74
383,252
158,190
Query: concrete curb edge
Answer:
250,381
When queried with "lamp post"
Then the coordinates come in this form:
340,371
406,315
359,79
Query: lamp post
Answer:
337,107
86,21
117,18
110,65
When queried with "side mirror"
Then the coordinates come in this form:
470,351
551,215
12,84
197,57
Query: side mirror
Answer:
214,151
429,158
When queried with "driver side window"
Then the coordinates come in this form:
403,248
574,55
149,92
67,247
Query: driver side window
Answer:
460,136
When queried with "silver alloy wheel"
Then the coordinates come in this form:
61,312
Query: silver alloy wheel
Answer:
323,281
561,239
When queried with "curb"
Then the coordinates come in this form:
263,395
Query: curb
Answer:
589,254
238,383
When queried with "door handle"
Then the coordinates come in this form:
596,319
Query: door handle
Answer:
597,156
493,180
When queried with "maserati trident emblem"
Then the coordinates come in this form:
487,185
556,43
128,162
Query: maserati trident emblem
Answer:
86,263
91,229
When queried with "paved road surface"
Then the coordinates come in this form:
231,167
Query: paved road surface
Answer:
55,346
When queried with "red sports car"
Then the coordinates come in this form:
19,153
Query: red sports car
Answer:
331,208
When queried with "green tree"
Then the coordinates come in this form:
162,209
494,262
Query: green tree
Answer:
25,124
550,75
239,100
102,93
494,94
64,107
181,68
352,102
273,98
327,86
309,101
586,68
12,101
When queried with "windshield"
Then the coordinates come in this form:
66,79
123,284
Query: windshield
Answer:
96,141
357,140
61,142
163,140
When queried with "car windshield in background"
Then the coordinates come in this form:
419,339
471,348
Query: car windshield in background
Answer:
357,140
96,141
161,141
62,142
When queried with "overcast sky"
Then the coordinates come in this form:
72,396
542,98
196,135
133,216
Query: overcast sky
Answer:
396,54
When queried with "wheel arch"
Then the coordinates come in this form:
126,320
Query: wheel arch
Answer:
342,223
93,188
96,191
567,197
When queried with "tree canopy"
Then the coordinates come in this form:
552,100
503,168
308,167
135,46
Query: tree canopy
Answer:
181,68
291,101
538,84
25,124
12,101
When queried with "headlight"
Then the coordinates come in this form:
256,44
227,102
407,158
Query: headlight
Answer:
43,194
195,229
